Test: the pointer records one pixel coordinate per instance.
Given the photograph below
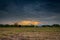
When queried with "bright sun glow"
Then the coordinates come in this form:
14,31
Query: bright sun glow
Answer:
29,23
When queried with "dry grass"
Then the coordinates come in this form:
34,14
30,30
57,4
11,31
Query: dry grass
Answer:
30,33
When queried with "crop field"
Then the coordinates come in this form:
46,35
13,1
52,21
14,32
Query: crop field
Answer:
42,33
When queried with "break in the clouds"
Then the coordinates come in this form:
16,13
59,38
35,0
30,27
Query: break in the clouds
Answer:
45,11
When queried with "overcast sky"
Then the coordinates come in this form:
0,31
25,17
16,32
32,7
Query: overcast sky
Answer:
45,11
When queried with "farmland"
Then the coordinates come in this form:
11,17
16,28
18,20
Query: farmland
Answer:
29,33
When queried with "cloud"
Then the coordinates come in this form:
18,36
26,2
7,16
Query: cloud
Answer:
42,10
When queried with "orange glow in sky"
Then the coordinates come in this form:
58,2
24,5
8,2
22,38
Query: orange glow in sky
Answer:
35,23
29,22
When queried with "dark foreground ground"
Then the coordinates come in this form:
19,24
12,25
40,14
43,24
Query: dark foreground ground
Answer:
29,33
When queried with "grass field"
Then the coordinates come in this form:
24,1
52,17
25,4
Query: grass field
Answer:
42,33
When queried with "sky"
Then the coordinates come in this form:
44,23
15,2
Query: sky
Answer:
44,11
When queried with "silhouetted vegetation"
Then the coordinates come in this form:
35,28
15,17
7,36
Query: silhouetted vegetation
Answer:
16,25
46,26
54,25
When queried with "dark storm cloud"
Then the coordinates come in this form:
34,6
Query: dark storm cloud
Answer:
41,10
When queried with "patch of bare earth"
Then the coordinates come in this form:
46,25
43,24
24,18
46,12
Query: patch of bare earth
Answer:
33,36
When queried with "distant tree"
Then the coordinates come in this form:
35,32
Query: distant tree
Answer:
16,25
1,25
11,25
19,26
56,25
6,25
46,25
27,25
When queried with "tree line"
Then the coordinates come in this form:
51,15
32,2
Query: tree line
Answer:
54,25
16,25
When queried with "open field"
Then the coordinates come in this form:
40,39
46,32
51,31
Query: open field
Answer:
42,33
